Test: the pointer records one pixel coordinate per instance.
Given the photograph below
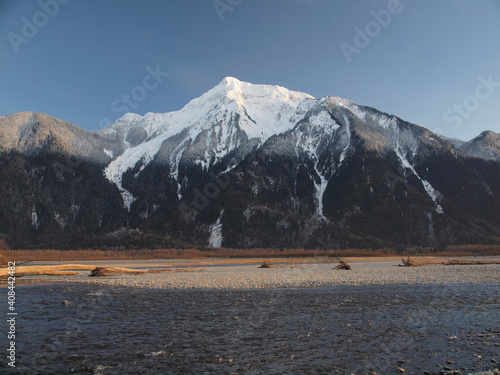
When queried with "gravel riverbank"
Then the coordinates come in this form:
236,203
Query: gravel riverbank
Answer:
250,276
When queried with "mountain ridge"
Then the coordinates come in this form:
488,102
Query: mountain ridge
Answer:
485,146
247,166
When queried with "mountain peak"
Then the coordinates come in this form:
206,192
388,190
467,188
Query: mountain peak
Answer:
486,146
489,134
232,86
229,81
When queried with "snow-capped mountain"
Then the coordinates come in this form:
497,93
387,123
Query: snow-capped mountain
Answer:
247,166
206,130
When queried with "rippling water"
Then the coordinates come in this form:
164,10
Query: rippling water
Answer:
86,329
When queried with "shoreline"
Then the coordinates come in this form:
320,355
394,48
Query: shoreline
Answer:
245,274
187,262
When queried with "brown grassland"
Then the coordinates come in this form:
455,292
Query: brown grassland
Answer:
66,255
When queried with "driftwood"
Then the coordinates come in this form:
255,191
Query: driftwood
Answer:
98,272
108,271
408,262
343,266
42,270
54,270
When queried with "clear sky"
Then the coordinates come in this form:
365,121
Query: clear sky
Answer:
434,63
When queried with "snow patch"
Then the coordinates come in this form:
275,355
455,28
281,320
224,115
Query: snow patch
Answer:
247,214
488,189
386,122
431,224
433,193
128,198
215,239
380,119
320,191
114,173
323,119
34,219
109,153
59,220
309,139
255,190
357,111
346,148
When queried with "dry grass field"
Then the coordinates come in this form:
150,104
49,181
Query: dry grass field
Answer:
91,254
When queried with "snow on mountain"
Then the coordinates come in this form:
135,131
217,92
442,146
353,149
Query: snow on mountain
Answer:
226,118
229,114
301,168
408,140
324,141
215,239
31,133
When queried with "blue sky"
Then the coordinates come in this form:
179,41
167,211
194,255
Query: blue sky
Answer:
434,63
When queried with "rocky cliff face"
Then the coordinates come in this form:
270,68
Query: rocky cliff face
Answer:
246,166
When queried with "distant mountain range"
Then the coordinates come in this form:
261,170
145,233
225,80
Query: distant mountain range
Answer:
246,166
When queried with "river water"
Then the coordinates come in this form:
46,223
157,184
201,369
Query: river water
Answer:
85,329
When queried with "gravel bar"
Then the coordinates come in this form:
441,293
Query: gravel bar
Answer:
291,275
